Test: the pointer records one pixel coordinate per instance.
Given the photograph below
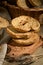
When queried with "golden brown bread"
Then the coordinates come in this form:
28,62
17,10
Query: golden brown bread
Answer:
25,24
21,30
22,4
32,38
23,38
22,23
35,24
17,35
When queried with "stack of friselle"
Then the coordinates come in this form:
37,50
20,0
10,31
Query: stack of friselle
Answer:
24,29
24,32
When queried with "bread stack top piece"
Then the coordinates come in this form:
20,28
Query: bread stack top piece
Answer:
24,30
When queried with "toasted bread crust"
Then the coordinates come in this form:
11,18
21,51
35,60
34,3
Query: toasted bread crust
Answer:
18,35
22,4
25,24
32,38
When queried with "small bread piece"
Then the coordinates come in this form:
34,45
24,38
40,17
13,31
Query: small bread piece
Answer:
22,4
31,39
3,22
35,24
22,23
13,33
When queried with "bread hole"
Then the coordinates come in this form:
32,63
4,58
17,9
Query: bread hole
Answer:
13,54
23,22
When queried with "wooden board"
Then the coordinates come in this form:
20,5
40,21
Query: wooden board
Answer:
19,50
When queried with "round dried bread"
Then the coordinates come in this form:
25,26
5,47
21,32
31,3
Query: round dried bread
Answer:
3,22
32,38
22,23
25,24
22,4
14,34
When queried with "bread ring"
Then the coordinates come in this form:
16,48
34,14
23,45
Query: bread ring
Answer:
25,24
31,39
13,33
3,22
22,23
22,4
